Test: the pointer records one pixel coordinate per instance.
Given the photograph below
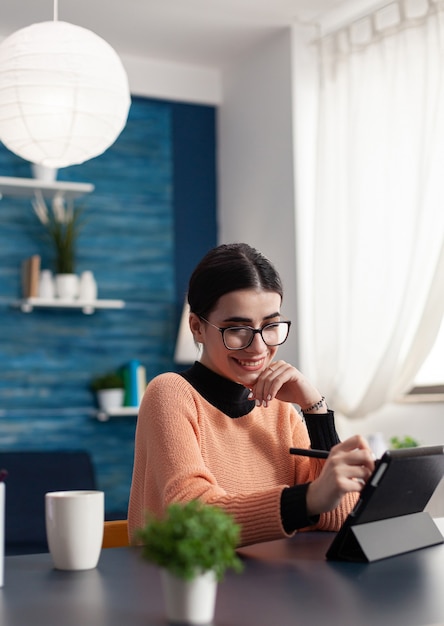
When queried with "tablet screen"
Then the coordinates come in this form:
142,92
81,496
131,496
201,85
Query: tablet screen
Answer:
388,518
402,483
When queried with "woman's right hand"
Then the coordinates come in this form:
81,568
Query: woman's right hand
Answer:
347,468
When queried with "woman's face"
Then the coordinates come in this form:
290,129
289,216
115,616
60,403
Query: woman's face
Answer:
249,307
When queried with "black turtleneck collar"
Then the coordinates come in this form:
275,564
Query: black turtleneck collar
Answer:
229,397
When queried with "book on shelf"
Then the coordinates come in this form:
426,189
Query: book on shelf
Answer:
134,378
31,276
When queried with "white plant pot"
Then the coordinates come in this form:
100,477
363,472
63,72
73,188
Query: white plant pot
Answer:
190,601
110,398
67,286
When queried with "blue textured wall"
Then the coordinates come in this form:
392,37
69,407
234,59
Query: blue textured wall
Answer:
151,217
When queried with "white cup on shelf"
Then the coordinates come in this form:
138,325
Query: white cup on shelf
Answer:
74,528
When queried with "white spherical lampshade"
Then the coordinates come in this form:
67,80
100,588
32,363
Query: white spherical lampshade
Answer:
64,95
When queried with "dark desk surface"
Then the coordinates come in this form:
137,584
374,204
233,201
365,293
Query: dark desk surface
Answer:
285,583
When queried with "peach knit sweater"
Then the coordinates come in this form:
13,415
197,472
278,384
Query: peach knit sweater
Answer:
186,448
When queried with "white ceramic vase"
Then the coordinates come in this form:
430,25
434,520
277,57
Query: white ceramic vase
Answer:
46,285
43,173
87,286
67,286
190,601
110,398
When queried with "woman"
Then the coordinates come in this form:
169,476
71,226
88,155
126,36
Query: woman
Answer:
221,430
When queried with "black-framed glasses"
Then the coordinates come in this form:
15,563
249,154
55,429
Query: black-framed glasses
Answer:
240,337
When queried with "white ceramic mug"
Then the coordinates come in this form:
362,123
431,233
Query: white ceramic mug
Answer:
74,528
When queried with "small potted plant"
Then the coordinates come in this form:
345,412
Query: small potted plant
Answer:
406,442
109,389
194,544
62,225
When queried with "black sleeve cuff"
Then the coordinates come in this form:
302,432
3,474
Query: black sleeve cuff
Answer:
294,508
321,430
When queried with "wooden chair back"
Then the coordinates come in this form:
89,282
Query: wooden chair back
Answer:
115,534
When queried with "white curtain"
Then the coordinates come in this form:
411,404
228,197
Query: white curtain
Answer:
374,279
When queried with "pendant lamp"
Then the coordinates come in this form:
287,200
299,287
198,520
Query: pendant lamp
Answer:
64,95
187,351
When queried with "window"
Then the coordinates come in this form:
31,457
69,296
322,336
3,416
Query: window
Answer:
429,382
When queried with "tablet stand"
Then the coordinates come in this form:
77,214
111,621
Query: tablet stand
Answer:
381,539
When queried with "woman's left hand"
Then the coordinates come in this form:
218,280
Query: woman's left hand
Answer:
285,382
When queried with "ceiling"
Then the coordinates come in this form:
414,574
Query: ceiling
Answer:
199,32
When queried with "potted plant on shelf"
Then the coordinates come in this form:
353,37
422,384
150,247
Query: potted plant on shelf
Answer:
109,389
406,442
62,224
194,544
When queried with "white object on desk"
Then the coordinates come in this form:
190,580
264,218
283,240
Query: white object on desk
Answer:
190,601
74,528
2,532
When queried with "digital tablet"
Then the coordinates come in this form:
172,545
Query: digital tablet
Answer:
389,517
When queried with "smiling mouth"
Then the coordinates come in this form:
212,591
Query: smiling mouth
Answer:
251,364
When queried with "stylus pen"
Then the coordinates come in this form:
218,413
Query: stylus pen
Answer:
317,454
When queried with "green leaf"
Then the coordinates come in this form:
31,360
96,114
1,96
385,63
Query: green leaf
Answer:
63,235
191,538
407,442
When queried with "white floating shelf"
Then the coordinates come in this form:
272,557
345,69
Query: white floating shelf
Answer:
25,187
123,411
87,306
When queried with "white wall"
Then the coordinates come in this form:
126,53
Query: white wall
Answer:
154,78
256,184
422,421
